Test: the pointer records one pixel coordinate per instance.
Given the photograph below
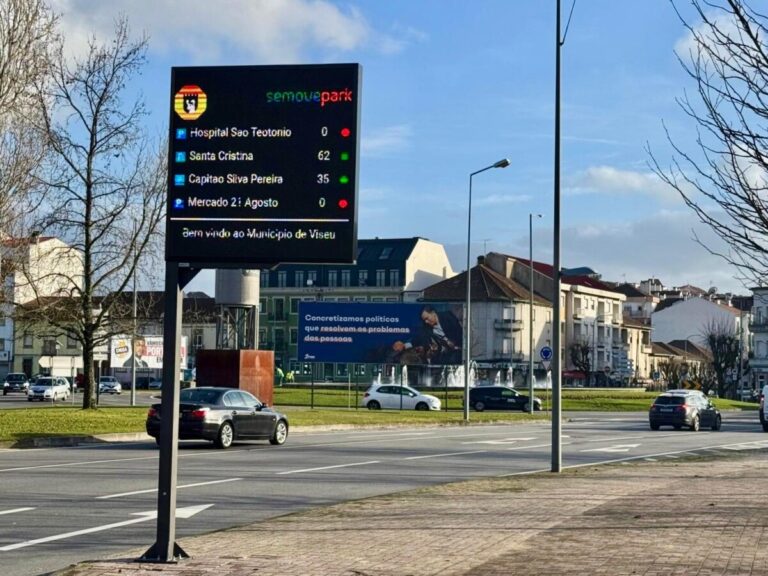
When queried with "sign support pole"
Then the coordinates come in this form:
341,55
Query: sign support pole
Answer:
165,549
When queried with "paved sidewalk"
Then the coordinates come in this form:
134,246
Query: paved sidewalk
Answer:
704,516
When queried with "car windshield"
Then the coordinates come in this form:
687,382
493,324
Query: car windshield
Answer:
16,378
44,382
200,396
670,400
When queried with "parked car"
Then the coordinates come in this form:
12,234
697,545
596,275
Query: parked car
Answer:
15,382
222,415
109,385
679,408
381,396
155,384
48,388
500,398
761,410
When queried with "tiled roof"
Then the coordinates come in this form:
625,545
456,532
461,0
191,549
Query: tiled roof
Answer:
487,285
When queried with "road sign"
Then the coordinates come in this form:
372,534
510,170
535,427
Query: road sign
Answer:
546,364
263,165
546,353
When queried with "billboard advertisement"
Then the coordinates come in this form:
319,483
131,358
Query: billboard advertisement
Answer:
373,333
149,352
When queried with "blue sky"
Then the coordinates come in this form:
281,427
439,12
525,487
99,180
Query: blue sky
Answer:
450,87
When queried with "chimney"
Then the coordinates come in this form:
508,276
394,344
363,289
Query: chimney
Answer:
480,260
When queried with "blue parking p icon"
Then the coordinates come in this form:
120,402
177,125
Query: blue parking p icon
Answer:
181,133
178,180
180,157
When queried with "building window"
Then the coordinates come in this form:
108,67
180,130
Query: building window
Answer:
345,278
506,346
264,278
262,337
2,320
72,343
394,277
282,278
360,299
2,344
279,339
262,305
279,305
197,339
298,278
311,277
27,340
385,253
333,278
294,336
381,277
362,278
295,305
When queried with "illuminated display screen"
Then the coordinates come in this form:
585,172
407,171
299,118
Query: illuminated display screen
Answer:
263,164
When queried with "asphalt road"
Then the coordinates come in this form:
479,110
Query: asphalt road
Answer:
64,505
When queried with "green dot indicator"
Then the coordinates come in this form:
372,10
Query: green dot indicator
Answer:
345,156
344,179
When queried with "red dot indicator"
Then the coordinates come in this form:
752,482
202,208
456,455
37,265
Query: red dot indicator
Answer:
343,203
346,132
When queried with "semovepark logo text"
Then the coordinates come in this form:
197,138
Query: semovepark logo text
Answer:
321,97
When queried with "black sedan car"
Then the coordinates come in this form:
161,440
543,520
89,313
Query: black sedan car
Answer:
691,409
500,398
222,415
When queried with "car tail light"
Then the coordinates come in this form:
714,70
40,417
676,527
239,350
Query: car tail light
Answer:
366,395
654,407
152,413
199,414
682,408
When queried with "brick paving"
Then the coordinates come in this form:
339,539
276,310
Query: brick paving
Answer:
699,516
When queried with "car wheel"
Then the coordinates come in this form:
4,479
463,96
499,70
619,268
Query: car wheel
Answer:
374,405
526,407
654,426
537,406
29,399
422,406
695,424
225,436
479,406
280,434
718,423
5,392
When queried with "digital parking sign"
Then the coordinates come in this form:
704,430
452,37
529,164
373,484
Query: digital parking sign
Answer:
263,165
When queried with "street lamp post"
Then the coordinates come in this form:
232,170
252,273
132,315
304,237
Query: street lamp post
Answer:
530,313
503,163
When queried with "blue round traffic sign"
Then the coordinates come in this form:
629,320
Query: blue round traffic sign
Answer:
546,353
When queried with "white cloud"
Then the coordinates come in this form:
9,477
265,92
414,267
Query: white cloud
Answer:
498,199
689,46
246,31
610,180
387,140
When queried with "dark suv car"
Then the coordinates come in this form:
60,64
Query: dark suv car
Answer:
500,398
684,408
15,382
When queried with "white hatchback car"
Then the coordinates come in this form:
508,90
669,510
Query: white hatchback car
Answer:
395,397
109,385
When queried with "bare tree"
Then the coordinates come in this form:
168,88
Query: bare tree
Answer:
724,178
672,372
723,342
28,42
581,356
105,194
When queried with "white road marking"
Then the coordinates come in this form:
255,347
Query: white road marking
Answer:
537,446
327,467
108,496
14,511
71,464
187,512
616,448
501,441
446,454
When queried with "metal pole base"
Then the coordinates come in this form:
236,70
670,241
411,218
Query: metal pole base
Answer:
152,555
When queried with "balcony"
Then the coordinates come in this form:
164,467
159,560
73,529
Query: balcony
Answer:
517,356
578,313
758,325
508,324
